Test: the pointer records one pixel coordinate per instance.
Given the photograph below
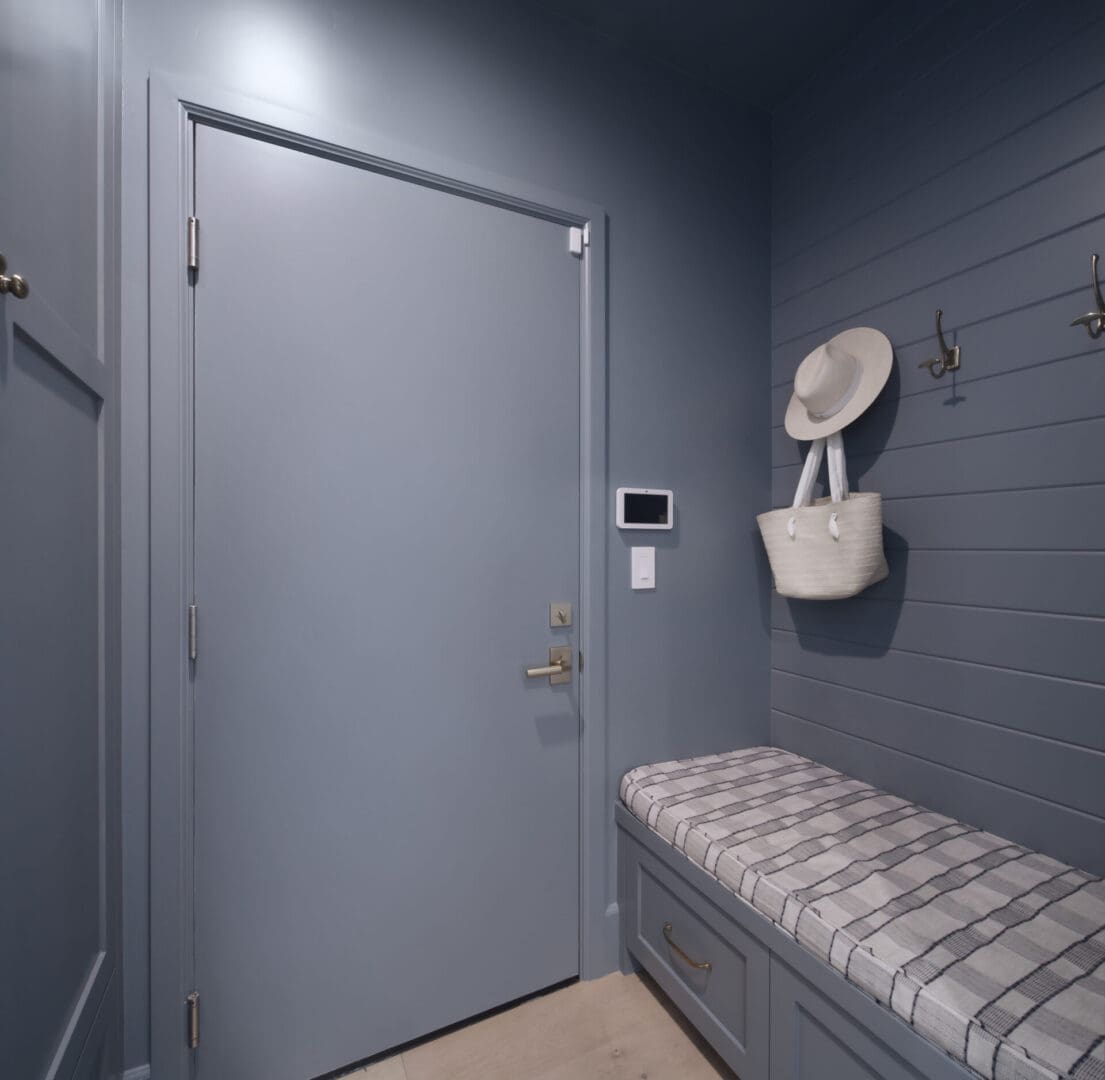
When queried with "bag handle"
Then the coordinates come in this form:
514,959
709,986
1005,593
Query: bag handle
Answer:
838,471
831,446
804,495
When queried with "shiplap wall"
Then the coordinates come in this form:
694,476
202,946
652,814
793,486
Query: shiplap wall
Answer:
954,157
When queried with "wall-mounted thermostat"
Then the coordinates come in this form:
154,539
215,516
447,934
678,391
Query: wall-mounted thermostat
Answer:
644,508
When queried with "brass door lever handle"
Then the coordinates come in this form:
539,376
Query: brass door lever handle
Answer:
559,668
15,284
550,669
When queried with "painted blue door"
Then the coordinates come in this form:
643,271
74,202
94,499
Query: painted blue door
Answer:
60,882
386,502
60,979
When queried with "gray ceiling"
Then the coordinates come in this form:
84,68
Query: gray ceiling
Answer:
759,52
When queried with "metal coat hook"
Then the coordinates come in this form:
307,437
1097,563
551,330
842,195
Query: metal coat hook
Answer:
948,360
1094,321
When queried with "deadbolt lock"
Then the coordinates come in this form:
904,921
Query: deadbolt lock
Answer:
560,615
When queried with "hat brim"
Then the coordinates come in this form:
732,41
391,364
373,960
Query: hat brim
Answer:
875,354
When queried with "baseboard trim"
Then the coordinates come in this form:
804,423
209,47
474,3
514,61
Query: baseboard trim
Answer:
604,954
139,1072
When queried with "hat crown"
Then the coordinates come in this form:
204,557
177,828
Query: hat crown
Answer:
826,380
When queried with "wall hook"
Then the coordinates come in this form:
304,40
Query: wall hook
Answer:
948,360
1094,322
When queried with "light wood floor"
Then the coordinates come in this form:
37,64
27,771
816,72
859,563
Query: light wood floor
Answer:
617,1028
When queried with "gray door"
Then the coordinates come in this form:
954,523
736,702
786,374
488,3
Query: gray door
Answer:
386,503
59,707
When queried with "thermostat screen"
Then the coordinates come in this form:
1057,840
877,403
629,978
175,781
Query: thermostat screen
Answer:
643,509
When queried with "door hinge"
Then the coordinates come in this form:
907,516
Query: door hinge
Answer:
193,243
193,1003
578,239
581,662
191,631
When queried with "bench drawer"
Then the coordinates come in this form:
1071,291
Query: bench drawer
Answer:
674,932
813,1040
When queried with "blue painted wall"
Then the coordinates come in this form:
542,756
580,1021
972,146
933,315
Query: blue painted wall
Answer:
954,157
684,177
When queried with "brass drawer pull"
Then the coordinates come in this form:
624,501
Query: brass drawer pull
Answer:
698,965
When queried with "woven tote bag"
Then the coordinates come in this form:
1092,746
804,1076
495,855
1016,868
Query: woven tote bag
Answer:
830,548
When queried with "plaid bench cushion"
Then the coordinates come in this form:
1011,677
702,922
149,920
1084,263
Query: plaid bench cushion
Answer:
991,951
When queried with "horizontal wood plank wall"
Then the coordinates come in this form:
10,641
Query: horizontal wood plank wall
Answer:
954,157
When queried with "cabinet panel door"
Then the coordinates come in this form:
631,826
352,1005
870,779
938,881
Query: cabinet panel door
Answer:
812,1040
673,931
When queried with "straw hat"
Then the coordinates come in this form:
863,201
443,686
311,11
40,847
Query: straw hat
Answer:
837,382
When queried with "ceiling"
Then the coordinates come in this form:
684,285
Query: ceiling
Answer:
752,50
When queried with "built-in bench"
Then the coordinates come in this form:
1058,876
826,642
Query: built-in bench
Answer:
813,926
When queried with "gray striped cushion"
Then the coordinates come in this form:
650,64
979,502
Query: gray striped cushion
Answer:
991,951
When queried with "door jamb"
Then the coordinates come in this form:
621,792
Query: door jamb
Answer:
173,107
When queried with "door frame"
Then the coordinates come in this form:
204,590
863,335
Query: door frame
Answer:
174,106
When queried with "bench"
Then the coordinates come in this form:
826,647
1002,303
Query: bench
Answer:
811,925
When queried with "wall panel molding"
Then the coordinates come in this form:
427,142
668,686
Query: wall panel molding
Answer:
972,678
